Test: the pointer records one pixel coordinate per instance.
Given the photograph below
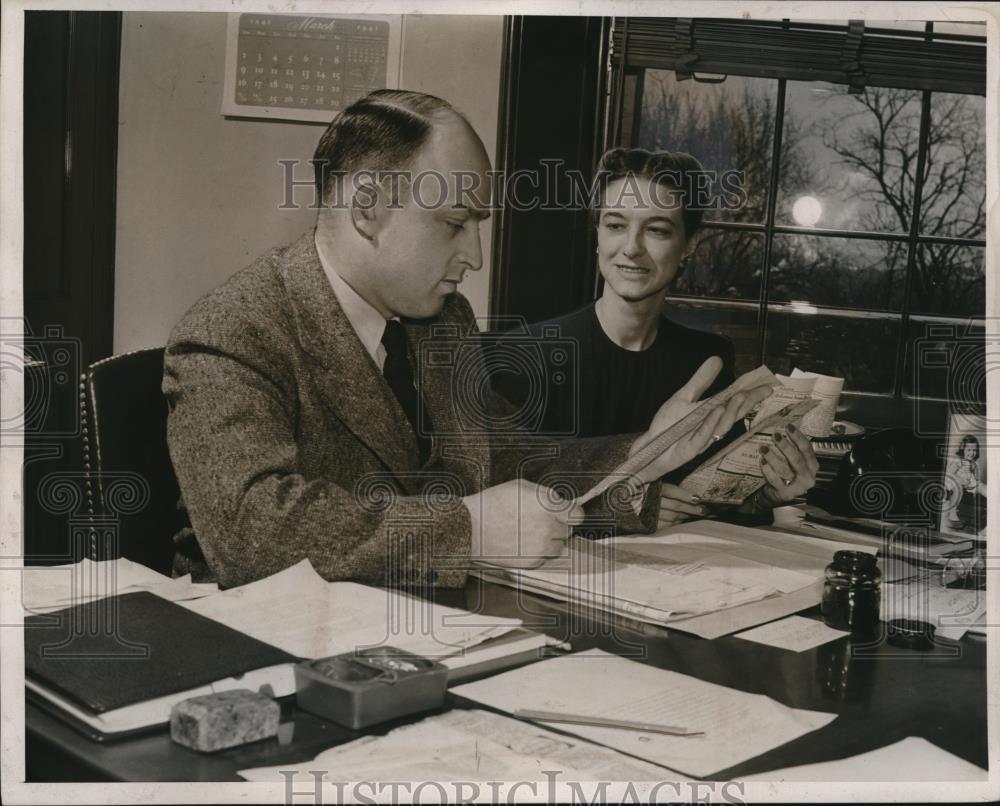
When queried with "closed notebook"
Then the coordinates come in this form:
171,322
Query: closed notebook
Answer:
111,653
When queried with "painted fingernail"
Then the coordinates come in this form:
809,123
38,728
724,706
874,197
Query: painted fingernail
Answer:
791,428
763,451
777,437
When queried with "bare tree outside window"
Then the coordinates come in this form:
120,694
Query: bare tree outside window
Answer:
849,163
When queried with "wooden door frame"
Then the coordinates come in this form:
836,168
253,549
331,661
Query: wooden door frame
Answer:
552,105
71,79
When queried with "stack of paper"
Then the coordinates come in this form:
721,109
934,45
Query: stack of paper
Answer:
49,588
465,746
708,578
660,580
735,726
298,611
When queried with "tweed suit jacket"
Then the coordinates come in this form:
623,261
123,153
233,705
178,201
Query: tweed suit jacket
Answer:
289,444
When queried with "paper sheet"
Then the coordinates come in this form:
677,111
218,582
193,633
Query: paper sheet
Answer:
50,588
737,726
662,442
952,611
464,745
911,759
794,633
826,390
298,611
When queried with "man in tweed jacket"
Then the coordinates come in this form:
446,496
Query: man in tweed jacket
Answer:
288,442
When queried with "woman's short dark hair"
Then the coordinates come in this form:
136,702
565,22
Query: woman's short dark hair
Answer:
967,439
673,169
381,132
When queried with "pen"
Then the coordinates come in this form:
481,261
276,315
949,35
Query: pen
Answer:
605,722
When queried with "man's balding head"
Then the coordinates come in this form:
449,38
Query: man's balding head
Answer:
384,131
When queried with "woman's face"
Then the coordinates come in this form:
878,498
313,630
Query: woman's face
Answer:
640,238
969,450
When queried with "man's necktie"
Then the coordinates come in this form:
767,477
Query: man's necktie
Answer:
399,375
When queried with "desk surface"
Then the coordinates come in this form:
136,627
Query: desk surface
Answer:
881,694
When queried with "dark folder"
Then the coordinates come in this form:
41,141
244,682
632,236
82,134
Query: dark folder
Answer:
119,651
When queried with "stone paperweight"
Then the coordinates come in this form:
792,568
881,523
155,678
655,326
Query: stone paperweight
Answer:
227,719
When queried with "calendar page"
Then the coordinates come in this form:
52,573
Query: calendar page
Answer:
307,67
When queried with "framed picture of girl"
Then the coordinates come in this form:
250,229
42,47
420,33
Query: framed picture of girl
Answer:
964,510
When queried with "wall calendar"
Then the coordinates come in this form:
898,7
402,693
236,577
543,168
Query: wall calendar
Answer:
299,67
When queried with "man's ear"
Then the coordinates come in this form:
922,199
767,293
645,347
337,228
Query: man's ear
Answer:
368,211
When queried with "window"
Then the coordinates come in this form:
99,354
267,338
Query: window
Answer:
862,232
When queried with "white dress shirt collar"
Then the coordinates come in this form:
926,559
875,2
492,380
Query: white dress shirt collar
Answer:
367,322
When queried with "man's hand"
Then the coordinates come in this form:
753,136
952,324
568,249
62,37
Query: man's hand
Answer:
715,425
519,524
678,505
789,465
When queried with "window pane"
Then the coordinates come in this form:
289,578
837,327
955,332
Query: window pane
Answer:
946,361
953,199
860,350
847,161
727,126
736,323
949,280
838,272
725,264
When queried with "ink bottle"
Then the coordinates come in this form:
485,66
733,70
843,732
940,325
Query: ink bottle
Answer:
852,593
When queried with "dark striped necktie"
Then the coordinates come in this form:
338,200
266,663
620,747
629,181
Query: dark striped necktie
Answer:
399,375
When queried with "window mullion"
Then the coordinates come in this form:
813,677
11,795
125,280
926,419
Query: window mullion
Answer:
772,197
911,252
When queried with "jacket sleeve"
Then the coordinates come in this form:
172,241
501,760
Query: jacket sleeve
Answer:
232,436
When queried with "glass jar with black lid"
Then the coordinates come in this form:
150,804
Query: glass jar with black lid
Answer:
852,592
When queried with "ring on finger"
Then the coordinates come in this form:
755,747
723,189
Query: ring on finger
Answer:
787,482
716,437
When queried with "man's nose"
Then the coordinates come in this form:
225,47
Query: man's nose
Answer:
471,253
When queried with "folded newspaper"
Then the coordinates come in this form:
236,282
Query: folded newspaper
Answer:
733,473
824,389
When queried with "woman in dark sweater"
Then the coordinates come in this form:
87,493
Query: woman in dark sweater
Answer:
625,357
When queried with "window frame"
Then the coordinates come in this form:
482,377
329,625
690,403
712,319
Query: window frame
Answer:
626,78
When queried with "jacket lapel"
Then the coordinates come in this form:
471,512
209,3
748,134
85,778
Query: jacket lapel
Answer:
432,376
350,381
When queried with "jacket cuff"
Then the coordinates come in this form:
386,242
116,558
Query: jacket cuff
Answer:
628,510
427,544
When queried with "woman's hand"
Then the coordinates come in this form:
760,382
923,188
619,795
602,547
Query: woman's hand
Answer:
678,505
715,425
789,465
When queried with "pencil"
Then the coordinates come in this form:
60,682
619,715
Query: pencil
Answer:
605,722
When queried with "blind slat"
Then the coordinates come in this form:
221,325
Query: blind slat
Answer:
797,51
